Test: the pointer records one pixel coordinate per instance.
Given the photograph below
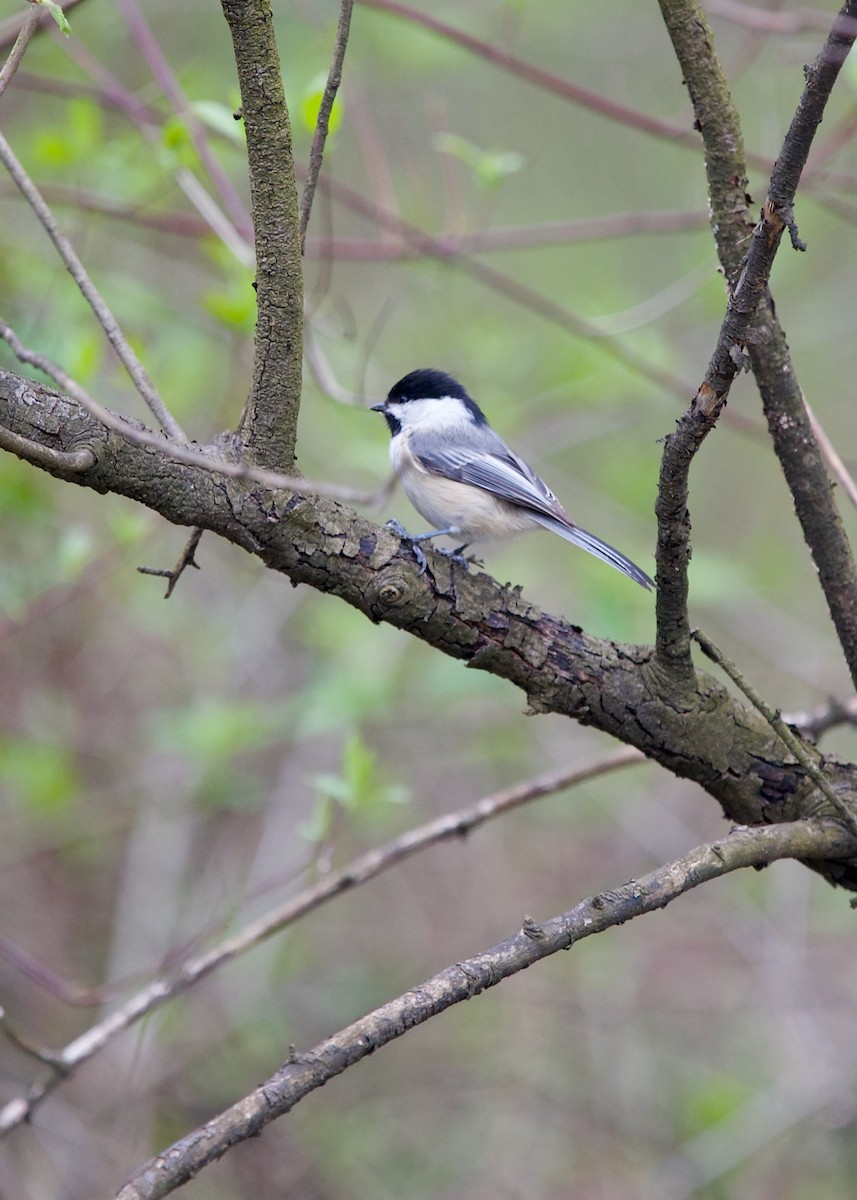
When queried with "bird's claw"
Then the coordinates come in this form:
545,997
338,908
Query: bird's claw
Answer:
455,556
398,528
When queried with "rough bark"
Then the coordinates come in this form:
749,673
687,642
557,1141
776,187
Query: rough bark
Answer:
700,732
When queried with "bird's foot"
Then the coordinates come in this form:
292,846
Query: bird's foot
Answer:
458,558
396,527
414,539
471,559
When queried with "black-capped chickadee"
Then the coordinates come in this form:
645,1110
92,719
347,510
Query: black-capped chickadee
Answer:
463,478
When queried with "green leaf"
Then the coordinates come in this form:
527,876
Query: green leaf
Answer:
359,788
57,14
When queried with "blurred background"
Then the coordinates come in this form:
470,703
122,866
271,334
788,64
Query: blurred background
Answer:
170,769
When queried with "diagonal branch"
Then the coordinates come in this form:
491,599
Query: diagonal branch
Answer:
78,272
28,28
322,124
741,332
705,735
360,870
303,1074
270,418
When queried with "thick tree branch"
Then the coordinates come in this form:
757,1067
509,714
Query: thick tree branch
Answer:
788,421
704,735
303,1074
742,333
269,422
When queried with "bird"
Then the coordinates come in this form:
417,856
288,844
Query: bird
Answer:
461,476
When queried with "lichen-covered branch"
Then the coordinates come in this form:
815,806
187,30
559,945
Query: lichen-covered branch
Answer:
269,422
701,733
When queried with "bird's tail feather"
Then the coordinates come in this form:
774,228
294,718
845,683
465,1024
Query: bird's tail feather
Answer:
588,541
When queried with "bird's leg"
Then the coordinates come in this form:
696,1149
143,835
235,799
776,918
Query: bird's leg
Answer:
471,558
414,538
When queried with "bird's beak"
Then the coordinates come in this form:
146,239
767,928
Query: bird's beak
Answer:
382,407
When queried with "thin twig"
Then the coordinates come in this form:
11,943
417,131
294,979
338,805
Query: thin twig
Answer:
186,560
767,21
304,1073
139,436
11,26
78,273
322,124
31,22
359,871
324,374
800,457
547,80
779,726
47,1057
834,462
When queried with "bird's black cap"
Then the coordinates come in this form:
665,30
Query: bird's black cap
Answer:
426,384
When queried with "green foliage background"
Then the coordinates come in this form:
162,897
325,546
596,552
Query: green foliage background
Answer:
169,769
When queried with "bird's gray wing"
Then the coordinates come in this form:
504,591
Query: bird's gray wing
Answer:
499,471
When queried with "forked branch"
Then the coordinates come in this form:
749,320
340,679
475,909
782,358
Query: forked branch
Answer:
749,333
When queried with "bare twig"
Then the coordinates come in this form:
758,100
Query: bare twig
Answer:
775,720
186,560
27,1047
78,273
319,137
536,75
112,91
359,871
11,27
834,462
304,1073
766,20
31,22
789,425
140,436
